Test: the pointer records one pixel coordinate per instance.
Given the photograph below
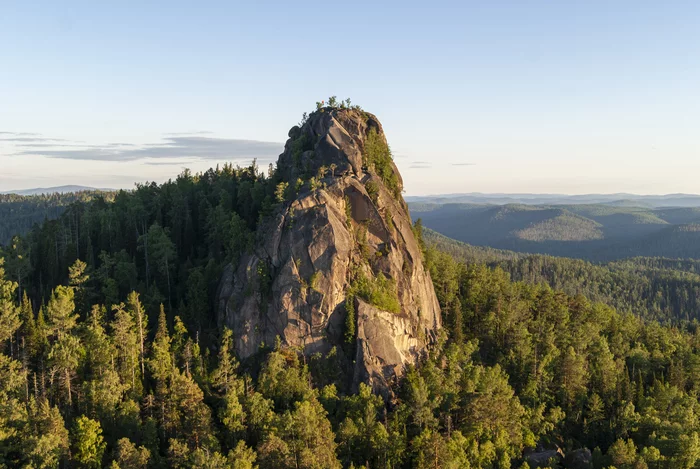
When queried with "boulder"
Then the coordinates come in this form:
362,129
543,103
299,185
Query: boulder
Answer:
544,458
579,459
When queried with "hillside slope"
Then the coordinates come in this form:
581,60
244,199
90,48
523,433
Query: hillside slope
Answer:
590,231
658,288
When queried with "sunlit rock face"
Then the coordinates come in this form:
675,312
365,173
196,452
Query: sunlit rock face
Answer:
344,220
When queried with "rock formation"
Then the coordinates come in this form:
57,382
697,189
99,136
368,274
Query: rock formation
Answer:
337,265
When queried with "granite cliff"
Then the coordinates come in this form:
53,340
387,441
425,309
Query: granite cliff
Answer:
337,265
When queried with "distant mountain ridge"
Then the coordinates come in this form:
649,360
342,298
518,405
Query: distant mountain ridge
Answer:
588,231
618,199
56,190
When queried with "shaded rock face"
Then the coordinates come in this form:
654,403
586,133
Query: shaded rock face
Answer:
296,283
544,458
579,459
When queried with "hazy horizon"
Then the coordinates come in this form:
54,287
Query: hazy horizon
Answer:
405,194
598,97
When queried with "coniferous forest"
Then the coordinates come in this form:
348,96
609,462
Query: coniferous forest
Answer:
495,264
664,289
18,214
111,358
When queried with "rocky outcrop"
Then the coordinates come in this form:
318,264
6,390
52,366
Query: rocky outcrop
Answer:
579,459
342,243
548,458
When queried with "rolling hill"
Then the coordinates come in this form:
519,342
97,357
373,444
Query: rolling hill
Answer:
659,288
589,231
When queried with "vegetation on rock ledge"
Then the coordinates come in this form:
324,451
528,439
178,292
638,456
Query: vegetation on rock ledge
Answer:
378,158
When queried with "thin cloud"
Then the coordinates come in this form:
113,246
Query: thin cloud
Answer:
184,134
207,148
19,134
421,165
166,163
54,145
32,139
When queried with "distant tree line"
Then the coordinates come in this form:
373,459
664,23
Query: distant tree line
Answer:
18,214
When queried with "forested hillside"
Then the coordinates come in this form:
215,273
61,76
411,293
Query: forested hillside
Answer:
168,242
18,213
520,368
597,232
667,290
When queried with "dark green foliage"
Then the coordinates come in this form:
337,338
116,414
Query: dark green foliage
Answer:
389,219
377,157
348,212
282,192
151,240
313,280
595,376
333,104
88,444
361,239
380,291
523,364
350,319
372,191
655,288
300,145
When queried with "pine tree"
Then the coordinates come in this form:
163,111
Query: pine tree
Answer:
13,416
139,314
224,376
60,311
27,330
9,313
242,457
301,438
160,362
88,444
131,457
102,387
46,443
126,340
162,251
64,359
77,279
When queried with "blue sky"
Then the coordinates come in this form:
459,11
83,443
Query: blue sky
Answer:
490,96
